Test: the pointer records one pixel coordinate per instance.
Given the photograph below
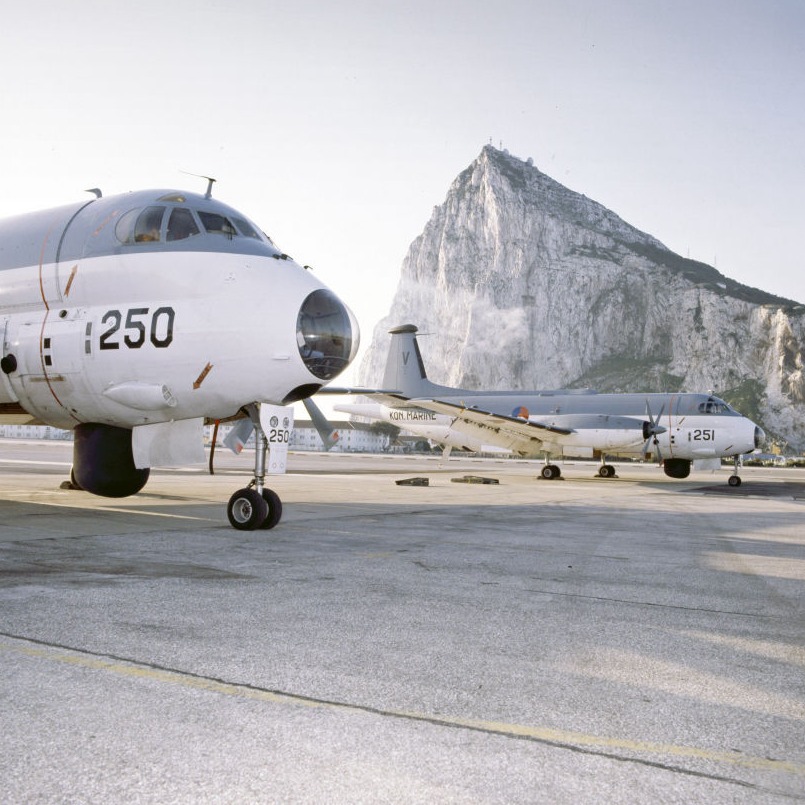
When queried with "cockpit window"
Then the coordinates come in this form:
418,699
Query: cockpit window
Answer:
181,224
217,224
713,406
125,226
149,225
172,223
246,229
140,226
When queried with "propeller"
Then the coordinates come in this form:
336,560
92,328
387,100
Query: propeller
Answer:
327,435
651,430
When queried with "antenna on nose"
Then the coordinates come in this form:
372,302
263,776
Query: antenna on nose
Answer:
210,182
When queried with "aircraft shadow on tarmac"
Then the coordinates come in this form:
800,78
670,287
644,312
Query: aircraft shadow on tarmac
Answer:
765,489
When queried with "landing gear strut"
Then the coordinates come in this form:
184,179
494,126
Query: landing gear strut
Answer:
735,479
255,506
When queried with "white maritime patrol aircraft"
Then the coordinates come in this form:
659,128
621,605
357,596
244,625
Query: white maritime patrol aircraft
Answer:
676,429
134,319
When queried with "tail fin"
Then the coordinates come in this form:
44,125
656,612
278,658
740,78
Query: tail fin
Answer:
405,371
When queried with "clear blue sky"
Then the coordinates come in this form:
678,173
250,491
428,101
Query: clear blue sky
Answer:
337,126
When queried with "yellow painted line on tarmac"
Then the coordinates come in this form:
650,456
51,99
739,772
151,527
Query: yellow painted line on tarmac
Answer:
123,668
542,734
95,508
549,735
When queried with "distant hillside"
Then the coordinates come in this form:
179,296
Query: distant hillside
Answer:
527,284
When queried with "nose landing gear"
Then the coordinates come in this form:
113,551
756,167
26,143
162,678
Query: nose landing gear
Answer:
735,479
255,506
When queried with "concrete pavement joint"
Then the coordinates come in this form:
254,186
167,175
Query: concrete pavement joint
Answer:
562,739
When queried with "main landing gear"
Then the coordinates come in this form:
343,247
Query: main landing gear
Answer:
606,470
255,506
550,472
735,479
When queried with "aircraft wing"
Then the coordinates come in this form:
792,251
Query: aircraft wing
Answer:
360,390
518,435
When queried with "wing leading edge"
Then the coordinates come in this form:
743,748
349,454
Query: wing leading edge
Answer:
521,436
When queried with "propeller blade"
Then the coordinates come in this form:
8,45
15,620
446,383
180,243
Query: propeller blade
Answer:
653,427
651,430
239,435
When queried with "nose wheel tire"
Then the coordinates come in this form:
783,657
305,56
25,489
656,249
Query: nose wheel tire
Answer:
247,510
550,472
274,504
606,471
734,480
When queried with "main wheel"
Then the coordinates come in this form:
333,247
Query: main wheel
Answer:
274,504
607,471
550,471
247,510
734,480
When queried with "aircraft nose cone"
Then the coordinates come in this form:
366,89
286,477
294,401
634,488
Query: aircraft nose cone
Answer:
327,334
760,437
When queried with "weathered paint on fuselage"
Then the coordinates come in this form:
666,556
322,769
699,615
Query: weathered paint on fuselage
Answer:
129,332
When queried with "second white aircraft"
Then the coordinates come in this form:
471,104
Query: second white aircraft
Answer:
676,429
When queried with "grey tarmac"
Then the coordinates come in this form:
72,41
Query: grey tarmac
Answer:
582,640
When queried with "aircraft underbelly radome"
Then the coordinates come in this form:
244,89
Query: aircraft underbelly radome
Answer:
133,319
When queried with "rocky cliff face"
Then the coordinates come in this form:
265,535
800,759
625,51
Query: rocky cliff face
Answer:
526,284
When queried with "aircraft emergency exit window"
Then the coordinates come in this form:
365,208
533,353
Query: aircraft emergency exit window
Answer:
217,224
181,224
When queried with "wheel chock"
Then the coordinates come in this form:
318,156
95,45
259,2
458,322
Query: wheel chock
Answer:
412,482
474,479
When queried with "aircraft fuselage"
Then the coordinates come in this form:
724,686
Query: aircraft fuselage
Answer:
676,428
102,324
134,319
695,425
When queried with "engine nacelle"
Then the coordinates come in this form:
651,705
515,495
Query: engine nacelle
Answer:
103,462
676,467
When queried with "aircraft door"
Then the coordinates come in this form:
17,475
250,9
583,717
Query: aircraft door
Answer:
56,284
49,367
